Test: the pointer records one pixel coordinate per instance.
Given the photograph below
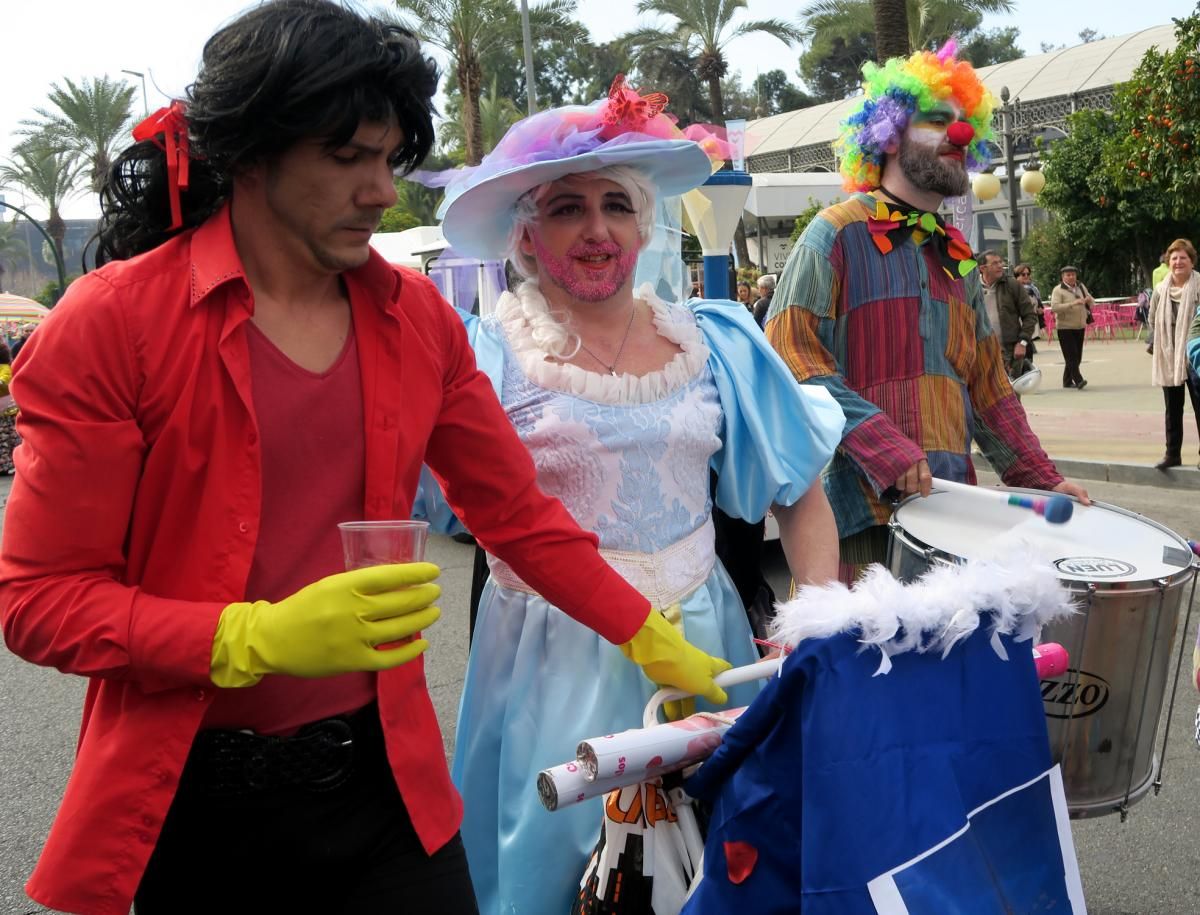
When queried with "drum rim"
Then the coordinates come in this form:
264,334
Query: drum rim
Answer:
1182,574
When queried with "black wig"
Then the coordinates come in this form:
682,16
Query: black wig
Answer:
286,71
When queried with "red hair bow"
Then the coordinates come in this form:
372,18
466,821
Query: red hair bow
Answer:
626,110
171,123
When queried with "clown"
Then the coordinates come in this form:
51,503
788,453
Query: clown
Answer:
880,302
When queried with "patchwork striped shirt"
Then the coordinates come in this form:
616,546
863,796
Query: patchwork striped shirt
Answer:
909,355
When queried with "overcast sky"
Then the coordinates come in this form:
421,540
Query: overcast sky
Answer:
48,40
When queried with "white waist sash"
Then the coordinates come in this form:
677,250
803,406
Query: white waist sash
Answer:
663,578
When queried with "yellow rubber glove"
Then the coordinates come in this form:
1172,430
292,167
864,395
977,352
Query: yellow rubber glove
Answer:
329,627
668,659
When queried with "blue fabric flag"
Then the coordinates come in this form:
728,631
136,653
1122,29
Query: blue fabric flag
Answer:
927,789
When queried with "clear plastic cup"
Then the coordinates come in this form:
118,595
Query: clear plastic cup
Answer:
376,543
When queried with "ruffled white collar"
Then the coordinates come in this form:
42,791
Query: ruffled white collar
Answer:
672,322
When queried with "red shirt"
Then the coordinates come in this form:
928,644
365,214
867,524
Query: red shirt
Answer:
133,520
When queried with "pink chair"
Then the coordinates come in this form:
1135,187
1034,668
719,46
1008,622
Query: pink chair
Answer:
1104,324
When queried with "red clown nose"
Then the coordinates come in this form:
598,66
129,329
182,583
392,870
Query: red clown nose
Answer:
960,133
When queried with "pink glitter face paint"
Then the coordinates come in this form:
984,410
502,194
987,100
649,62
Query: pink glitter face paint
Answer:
587,271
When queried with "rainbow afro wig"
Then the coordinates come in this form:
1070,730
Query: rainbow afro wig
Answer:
892,94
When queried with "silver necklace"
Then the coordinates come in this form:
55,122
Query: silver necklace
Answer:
612,368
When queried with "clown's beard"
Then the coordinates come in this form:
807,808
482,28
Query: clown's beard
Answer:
927,172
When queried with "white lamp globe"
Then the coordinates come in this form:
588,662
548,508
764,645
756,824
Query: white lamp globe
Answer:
986,186
1033,180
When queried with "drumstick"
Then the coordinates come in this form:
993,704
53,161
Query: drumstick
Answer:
1055,509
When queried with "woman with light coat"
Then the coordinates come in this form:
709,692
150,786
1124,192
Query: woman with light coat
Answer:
1173,305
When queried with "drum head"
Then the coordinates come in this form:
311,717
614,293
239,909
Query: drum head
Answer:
1101,543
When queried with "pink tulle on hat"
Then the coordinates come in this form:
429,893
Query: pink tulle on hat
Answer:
626,128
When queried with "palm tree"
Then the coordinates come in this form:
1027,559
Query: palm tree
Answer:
49,175
91,119
497,113
468,30
891,29
928,22
702,29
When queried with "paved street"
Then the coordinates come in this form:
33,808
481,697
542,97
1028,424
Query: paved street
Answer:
1118,417
1146,866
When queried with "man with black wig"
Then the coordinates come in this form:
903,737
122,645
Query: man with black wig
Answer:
199,413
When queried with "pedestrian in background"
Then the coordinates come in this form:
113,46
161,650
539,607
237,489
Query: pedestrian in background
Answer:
1173,305
744,296
1160,272
1072,305
1024,275
1010,312
766,292
8,414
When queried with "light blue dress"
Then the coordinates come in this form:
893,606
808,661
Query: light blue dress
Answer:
629,458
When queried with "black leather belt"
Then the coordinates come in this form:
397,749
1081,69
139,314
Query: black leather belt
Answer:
320,756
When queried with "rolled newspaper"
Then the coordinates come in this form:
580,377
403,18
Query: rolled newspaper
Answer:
567,785
632,755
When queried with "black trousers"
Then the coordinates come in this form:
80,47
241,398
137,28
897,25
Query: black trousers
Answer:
351,850
1071,342
1173,401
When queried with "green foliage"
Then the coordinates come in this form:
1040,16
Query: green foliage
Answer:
807,215
832,66
48,174
700,31
840,37
930,22
497,113
739,101
1088,208
12,247
1046,250
984,47
1108,230
416,205
49,294
670,71
774,93
1159,125
471,31
90,120
568,70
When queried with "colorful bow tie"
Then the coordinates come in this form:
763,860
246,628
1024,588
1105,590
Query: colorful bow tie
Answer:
893,223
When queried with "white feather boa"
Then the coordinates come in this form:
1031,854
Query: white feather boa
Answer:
1014,595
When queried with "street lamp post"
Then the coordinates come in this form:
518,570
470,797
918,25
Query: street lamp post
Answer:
142,77
1007,116
530,88
987,185
58,261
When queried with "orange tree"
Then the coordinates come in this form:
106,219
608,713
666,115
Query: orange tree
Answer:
1158,125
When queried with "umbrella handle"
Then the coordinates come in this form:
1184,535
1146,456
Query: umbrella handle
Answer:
757,671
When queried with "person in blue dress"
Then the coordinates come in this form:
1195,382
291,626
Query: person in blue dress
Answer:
625,401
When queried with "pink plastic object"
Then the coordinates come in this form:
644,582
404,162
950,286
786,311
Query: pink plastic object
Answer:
1050,659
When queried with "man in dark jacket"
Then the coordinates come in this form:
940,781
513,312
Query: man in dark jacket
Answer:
1011,312
766,292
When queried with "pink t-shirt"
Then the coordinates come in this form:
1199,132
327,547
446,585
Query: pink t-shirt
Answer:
311,429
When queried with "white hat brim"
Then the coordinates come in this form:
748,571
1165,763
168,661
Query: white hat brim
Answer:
477,222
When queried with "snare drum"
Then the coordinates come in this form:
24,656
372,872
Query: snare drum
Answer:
1127,575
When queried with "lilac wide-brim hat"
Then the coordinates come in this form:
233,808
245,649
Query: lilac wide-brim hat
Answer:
623,129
